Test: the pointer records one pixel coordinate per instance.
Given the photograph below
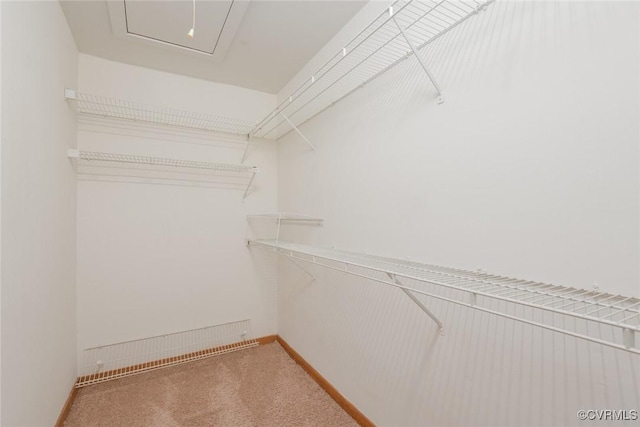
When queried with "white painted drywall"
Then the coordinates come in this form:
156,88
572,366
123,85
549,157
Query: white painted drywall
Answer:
39,59
161,256
0,213
529,169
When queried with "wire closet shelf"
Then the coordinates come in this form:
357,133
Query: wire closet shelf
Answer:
103,106
118,360
87,157
480,291
282,218
158,161
396,34
287,217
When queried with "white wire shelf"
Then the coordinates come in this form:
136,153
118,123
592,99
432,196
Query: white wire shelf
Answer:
89,157
158,161
481,291
113,361
387,40
103,106
287,217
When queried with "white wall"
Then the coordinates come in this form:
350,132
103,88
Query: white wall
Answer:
0,213
529,169
38,214
157,256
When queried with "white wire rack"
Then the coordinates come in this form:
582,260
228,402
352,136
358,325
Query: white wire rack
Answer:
393,36
99,157
104,106
287,217
128,358
480,291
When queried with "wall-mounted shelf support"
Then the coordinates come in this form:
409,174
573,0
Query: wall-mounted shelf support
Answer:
629,338
304,270
246,148
417,301
244,196
279,221
69,94
299,132
415,53
73,155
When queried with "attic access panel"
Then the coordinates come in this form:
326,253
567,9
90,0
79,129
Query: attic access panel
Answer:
165,24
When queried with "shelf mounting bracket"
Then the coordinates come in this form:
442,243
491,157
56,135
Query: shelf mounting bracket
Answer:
418,303
73,154
304,270
244,196
69,94
628,338
278,230
246,149
298,130
415,52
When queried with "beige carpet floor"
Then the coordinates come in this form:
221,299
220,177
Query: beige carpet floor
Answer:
261,386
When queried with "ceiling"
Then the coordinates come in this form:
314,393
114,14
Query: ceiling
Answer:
167,22
259,44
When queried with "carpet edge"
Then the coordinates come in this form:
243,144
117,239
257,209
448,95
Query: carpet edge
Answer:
64,413
345,404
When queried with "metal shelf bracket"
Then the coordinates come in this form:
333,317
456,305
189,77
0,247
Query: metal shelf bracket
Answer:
304,270
628,338
69,94
417,301
73,154
298,130
415,53
246,149
482,7
244,196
